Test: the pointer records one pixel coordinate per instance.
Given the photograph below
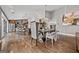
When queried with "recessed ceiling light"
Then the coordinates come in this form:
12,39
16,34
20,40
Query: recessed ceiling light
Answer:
12,11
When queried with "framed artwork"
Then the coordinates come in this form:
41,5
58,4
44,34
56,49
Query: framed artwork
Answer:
70,19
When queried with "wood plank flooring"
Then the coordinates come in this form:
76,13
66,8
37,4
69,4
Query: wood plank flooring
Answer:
16,43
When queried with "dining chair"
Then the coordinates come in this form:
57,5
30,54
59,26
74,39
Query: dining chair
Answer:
53,36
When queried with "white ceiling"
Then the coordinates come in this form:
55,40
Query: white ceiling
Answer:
53,7
20,11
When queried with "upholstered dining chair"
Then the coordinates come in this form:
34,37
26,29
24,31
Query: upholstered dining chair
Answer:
53,36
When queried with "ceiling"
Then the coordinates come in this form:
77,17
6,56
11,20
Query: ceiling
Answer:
22,11
53,7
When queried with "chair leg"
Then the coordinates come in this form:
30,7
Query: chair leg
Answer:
36,42
31,40
52,42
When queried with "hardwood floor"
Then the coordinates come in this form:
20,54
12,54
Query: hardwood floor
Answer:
16,43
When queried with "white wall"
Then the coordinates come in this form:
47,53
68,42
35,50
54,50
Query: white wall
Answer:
0,25
2,28
57,17
49,14
3,25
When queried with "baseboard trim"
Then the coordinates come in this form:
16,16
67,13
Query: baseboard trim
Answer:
67,34
2,37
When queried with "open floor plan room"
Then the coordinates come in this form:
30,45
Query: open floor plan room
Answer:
39,28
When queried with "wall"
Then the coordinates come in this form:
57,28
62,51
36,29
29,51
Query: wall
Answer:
4,25
0,25
48,14
57,17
